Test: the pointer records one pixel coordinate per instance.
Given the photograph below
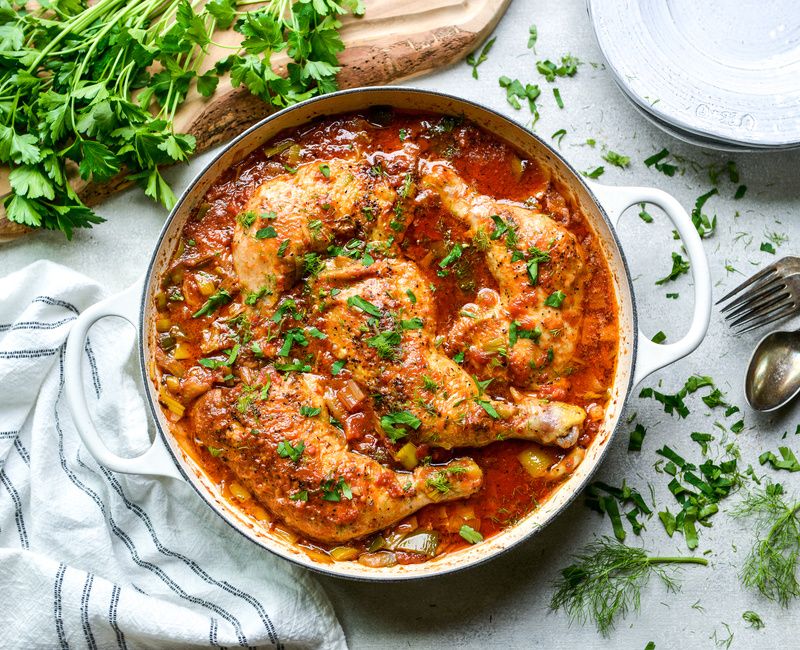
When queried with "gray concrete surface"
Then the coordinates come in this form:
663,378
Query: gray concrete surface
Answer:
505,603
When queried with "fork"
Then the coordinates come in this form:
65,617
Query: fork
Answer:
770,294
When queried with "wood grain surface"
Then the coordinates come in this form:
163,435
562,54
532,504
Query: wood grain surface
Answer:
396,39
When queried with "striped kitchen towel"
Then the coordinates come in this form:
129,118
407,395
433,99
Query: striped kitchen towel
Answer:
94,559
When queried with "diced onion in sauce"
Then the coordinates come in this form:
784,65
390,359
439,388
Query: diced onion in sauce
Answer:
351,395
378,560
344,553
239,491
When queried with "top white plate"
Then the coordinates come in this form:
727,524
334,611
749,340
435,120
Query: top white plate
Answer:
724,69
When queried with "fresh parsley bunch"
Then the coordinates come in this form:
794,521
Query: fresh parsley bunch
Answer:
92,90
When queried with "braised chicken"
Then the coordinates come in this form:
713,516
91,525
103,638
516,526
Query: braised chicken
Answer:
296,463
381,319
384,327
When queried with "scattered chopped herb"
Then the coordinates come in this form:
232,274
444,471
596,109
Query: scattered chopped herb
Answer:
266,233
535,258
470,534
740,192
515,332
325,169
617,159
788,460
392,424
637,437
679,267
516,91
558,136
597,172
705,226
767,247
302,495
568,67
557,95
310,411
359,303
452,256
247,218
644,215
475,61
334,491
656,161
533,35
659,337
282,248
555,299
287,450
337,366
609,503
753,620
214,302
487,406
673,296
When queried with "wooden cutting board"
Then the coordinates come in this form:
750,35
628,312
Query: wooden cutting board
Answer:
395,39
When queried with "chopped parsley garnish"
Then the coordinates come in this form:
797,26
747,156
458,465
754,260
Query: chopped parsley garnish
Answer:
402,134
337,366
214,451
533,35
555,299
558,136
656,161
282,248
287,450
535,258
617,159
411,296
429,385
475,61
312,264
557,95
213,364
659,337
487,406
439,482
287,308
310,411
293,336
597,172
766,247
705,226
740,192
302,495
392,424
214,302
637,437
412,324
470,534
315,226
294,366
247,218
334,491
452,256
386,343
326,170
788,461
606,499
459,357
679,267
516,91
568,67
515,332
367,307
644,215
266,233
254,296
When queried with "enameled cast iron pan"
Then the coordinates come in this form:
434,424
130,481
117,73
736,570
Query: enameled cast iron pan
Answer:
602,206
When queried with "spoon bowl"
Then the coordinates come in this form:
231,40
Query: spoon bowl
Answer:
773,375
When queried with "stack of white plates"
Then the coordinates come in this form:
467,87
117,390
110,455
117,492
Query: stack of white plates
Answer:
723,74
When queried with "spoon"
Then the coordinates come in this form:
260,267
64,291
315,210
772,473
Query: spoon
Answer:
773,376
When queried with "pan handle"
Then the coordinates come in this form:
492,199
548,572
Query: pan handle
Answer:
652,356
156,461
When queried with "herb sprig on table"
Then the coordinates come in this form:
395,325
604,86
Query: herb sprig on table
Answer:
92,90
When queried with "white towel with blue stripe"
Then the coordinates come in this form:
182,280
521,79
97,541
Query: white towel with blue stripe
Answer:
94,559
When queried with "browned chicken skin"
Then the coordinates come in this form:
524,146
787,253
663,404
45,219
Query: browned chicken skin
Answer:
328,493
380,319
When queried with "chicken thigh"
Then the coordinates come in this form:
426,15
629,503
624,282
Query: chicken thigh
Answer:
381,321
281,445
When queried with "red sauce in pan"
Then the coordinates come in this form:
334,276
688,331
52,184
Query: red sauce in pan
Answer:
493,168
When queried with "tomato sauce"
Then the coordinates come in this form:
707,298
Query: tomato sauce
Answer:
492,167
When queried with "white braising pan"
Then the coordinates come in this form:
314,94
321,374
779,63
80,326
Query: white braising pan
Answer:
602,205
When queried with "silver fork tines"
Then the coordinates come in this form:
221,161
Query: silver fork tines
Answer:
770,294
